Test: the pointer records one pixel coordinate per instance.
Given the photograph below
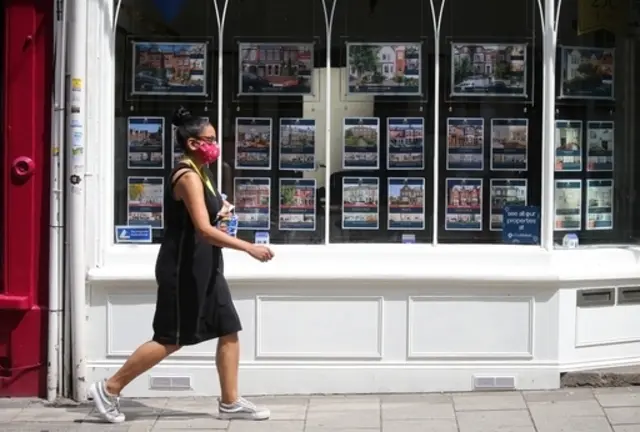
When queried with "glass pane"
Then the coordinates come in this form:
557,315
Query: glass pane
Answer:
595,125
490,116
165,57
382,122
274,120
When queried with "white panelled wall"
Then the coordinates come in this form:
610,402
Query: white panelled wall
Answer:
516,319
360,318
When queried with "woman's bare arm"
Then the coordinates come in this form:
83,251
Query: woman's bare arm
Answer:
190,190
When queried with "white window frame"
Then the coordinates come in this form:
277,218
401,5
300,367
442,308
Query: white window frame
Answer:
108,260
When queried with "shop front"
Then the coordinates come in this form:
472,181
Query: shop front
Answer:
448,186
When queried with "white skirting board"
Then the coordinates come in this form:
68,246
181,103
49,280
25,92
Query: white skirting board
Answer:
282,379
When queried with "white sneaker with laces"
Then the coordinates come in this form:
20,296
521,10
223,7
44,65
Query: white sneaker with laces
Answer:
242,409
107,405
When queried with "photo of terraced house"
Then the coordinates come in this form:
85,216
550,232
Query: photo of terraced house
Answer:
488,70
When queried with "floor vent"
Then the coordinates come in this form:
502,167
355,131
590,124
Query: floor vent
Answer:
494,383
170,383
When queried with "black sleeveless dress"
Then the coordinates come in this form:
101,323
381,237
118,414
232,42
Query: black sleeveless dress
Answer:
194,302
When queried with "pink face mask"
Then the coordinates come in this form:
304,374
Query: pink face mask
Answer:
207,152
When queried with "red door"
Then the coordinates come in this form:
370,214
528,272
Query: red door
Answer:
26,46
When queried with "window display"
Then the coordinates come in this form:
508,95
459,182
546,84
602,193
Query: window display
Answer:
297,144
509,144
568,199
587,73
304,171
145,206
405,143
600,146
384,68
465,144
297,205
360,203
464,205
169,68
568,145
253,143
489,70
253,203
406,203
269,68
506,193
595,186
146,142
361,137
599,204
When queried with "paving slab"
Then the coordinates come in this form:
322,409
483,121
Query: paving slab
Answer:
416,407
425,425
623,415
627,428
573,424
490,421
566,409
489,401
618,397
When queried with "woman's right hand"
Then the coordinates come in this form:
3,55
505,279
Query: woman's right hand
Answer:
261,253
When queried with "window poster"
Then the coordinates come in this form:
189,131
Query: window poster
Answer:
253,202
465,144
145,142
384,69
169,69
587,73
360,197
600,146
405,143
464,204
568,202
568,145
297,144
176,151
297,205
599,204
509,144
489,69
361,143
276,68
506,192
406,203
145,201
253,143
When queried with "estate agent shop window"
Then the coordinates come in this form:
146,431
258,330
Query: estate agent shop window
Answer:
376,178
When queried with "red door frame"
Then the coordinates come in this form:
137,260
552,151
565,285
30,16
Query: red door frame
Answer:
26,117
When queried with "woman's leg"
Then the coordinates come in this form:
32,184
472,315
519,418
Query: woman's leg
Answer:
105,394
227,362
144,358
231,405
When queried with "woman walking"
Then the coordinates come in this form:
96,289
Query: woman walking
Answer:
194,302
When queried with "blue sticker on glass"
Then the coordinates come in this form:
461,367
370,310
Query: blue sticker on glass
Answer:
134,234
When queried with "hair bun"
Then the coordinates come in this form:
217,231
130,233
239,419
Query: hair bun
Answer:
181,116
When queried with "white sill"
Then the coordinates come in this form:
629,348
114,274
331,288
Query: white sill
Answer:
394,262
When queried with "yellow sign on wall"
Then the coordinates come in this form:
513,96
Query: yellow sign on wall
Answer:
599,15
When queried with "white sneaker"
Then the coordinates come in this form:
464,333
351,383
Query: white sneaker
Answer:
242,409
107,405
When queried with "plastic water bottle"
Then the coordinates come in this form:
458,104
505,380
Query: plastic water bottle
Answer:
232,225
570,241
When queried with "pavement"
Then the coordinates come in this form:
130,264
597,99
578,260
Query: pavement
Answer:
565,410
